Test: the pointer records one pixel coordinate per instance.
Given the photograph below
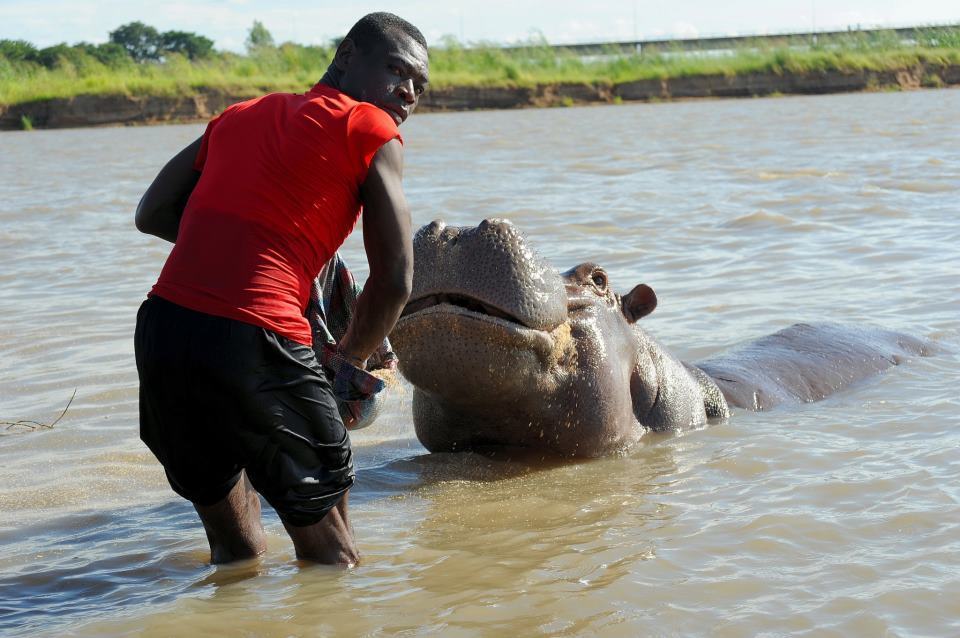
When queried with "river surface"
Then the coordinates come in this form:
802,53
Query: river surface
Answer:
834,518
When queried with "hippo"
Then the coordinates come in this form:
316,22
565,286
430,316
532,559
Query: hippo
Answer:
506,353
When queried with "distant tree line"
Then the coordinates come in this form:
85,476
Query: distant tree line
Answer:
137,43
133,43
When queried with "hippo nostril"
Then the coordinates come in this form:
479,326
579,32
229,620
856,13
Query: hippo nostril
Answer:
450,235
435,227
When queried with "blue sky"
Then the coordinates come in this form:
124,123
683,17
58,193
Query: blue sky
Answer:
46,22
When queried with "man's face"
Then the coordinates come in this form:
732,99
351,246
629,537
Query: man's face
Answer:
391,75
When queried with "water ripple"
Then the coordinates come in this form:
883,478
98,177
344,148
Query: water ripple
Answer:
838,518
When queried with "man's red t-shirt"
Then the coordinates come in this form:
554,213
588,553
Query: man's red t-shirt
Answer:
278,194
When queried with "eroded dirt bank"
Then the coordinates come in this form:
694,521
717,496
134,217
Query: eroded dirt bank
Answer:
101,110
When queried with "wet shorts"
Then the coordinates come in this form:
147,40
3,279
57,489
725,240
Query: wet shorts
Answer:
219,395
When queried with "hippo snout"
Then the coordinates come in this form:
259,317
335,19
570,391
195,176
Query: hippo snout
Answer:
487,266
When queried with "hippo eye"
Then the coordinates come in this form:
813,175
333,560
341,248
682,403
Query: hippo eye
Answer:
599,279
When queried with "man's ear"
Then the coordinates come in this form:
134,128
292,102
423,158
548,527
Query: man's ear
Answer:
638,303
344,52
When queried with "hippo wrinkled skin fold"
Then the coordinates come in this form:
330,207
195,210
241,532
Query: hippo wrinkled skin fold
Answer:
504,352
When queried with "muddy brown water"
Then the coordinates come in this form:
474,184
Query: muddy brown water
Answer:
836,518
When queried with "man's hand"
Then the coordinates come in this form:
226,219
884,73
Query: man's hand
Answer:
161,207
389,246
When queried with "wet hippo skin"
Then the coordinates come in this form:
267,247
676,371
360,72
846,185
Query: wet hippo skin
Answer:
504,352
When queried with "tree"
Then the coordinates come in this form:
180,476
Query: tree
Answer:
108,54
185,43
258,37
141,41
111,54
18,50
52,57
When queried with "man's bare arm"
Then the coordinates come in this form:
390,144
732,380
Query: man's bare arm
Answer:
389,246
161,207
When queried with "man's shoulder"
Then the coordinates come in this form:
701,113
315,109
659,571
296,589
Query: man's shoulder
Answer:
267,110
266,100
332,110
328,98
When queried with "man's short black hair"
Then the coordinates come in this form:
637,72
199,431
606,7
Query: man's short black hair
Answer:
374,28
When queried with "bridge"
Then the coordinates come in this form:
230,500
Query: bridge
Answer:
718,43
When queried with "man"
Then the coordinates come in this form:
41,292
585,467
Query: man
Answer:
232,399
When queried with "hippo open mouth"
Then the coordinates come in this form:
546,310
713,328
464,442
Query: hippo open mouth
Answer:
487,317
461,301
486,273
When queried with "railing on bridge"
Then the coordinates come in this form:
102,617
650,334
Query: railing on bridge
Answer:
733,42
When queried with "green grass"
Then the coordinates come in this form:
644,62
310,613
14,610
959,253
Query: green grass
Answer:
542,65
292,67
286,68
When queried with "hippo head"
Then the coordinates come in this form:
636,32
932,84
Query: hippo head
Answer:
505,352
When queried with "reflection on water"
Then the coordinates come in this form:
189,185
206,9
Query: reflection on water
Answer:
839,517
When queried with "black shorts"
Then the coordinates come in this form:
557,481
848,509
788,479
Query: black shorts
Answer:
219,395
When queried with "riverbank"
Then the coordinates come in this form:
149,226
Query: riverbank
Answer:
105,110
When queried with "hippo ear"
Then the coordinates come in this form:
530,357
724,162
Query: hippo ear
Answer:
638,303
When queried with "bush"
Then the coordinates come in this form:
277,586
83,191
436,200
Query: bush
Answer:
18,50
112,55
62,56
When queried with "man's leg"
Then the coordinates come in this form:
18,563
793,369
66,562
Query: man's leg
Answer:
329,541
185,408
233,524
